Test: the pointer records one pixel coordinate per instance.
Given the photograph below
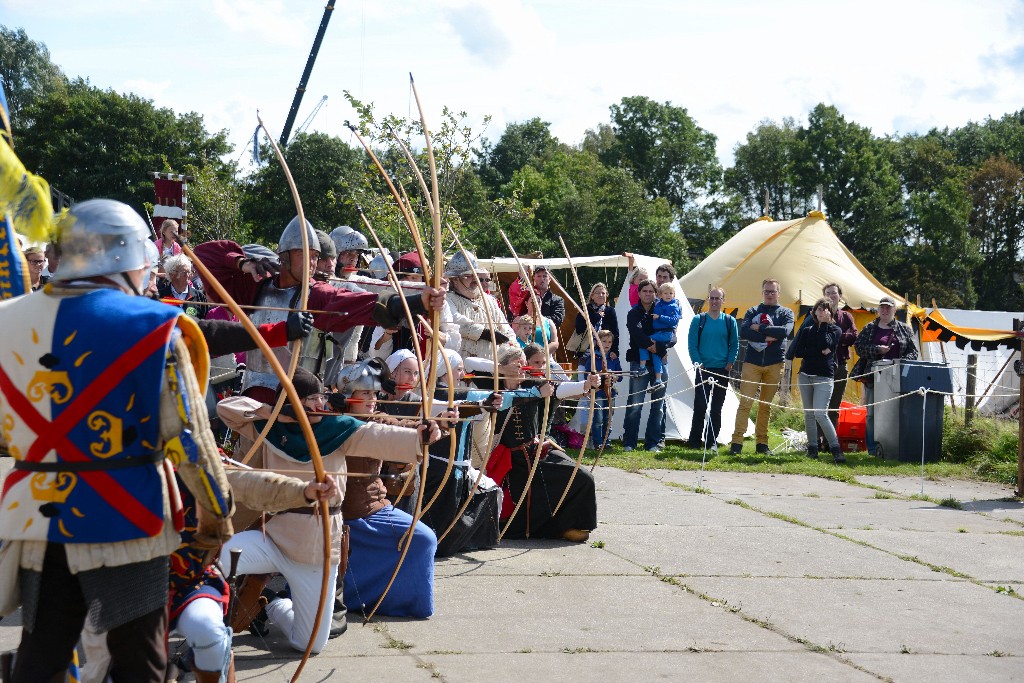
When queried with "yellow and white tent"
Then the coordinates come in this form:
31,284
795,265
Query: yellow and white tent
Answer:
802,254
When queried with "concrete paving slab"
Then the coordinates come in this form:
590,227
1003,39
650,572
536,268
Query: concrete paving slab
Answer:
788,551
937,617
915,668
737,483
601,667
891,513
549,614
326,667
962,490
612,479
994,558
677,507
536,558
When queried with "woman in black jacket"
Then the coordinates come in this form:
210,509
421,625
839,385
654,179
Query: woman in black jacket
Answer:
816,345
602,317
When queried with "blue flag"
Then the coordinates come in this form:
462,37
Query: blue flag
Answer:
256,146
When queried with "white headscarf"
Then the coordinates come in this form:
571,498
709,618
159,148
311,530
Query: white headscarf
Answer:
396,359
454,359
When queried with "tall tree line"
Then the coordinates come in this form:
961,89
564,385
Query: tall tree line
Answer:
940,214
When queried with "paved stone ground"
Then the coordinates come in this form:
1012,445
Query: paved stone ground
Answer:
727,577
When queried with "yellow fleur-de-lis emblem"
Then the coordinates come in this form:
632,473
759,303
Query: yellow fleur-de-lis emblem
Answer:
109,429
52,488
52,383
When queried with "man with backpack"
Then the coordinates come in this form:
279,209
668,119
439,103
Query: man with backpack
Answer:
714,345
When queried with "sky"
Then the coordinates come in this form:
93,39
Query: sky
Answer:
895,66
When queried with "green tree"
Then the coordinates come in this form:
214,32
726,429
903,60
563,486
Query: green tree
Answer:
770,160
98,143
323,167
665,149
26,73
597,209
521,144
944,256
997,223
861,189
214,207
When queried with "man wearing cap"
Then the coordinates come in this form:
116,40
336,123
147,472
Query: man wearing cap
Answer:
765,327
328,261
94,421
261,282
884,338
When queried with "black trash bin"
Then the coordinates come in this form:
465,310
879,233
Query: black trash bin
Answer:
898,424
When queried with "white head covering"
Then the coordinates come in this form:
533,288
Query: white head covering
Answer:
454,359
396,359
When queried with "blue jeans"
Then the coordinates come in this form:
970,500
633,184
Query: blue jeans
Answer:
634,401
600,422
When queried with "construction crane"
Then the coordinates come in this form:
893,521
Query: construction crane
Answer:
301,90
309,119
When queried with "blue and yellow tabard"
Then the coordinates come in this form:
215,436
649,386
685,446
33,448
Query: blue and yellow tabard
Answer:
80,384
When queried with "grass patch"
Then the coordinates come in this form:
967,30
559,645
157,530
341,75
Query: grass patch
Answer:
951,502
597,544
986,451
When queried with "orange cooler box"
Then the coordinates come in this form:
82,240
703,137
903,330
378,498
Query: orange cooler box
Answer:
852,425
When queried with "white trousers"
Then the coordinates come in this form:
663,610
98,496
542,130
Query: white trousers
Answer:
295,616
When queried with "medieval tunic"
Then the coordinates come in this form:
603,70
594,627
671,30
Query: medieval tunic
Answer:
107,407
298,537
519,427
477,526
375,528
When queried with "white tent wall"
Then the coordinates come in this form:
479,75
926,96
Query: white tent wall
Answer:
996,382
679,397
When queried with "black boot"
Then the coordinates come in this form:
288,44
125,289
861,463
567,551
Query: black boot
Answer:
812,452
837,455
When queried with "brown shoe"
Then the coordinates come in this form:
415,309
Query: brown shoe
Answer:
576,535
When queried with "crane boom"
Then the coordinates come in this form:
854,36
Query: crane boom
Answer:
312,115
301,90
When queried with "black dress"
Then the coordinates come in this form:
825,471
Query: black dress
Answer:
519,428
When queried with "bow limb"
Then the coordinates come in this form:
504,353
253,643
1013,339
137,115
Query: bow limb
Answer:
300,417
426,405
547,376
593,369
494,416
307,431
410,220
293,362
452,431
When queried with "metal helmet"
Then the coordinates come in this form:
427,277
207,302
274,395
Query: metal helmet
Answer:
327,249
378,266
347,239
101,237
461,265
291,238
363,376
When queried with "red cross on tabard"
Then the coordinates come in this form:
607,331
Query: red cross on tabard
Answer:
54,435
